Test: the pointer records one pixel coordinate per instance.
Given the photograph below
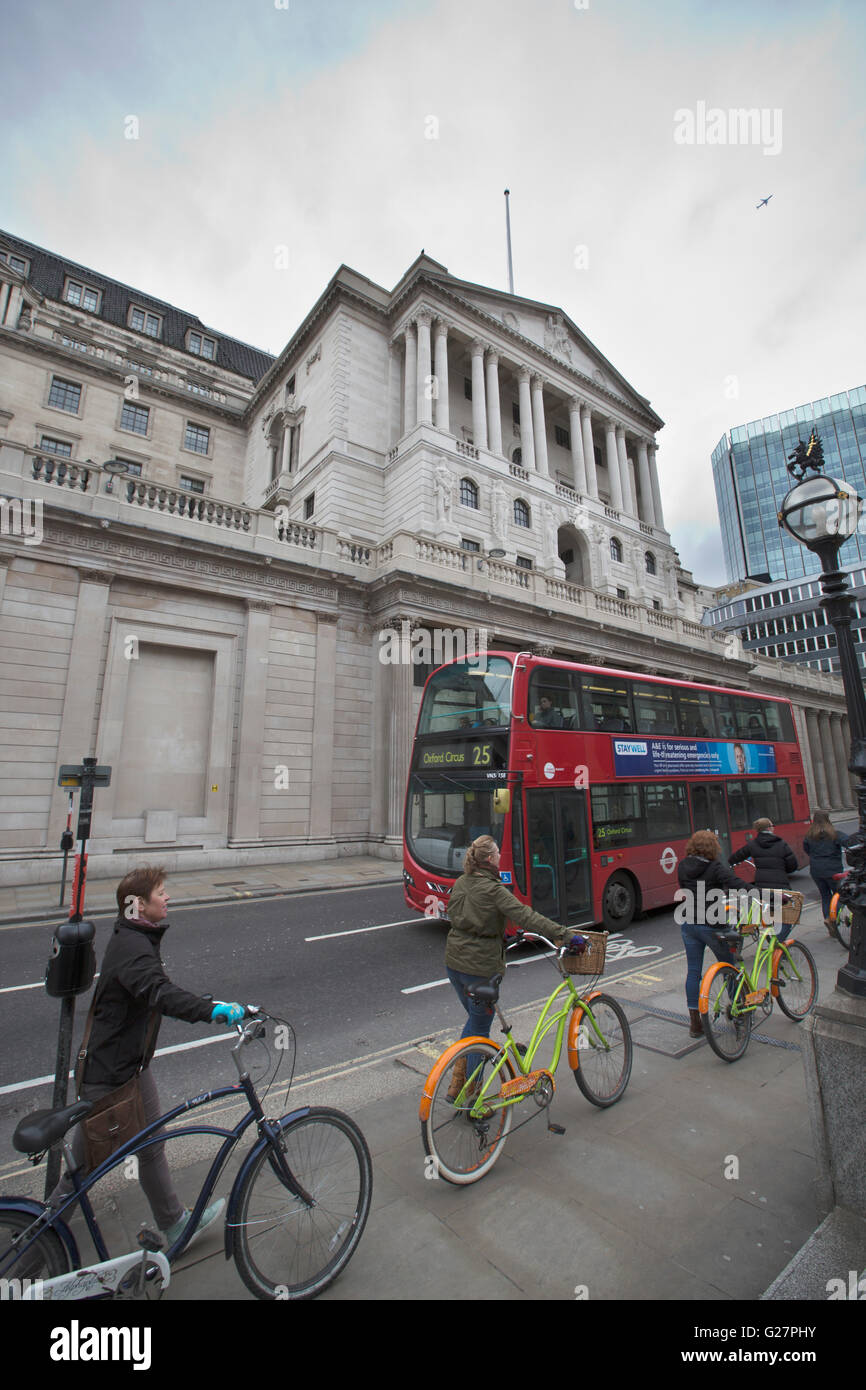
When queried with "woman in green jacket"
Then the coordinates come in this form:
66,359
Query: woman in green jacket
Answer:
478,909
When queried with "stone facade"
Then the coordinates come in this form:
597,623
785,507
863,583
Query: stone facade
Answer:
210,623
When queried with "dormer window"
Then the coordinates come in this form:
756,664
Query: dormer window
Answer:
143,321
15,262
201,345
81,295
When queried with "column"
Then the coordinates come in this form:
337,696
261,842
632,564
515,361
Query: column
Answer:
494,410
424,369
654,482
399,685
816,758
251,731
527,447
842,755
479,408
539,428
442,415
577,463
627,495
286,448
829,755
394,404
322,771
647,510
410,379
589,451
77,723
613,474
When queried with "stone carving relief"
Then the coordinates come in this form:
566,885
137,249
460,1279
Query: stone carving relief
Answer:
443,492
556,337
499,511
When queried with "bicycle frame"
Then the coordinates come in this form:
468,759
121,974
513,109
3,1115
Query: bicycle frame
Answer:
269,1132
767,955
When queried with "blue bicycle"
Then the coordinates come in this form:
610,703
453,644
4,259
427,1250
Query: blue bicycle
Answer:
294,1218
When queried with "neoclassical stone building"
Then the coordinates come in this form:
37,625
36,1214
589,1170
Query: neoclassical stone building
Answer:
202,546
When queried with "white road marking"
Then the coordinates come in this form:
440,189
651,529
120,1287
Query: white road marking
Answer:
161,1052
432,984
355,931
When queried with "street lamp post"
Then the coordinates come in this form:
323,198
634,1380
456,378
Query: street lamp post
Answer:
822,514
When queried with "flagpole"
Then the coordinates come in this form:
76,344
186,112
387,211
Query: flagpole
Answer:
508,237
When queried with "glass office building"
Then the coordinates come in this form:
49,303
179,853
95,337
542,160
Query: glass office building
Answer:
751,480
782,618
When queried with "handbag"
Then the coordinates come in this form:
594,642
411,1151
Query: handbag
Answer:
114,1118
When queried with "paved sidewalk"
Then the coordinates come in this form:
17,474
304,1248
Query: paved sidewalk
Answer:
38,902
697,1185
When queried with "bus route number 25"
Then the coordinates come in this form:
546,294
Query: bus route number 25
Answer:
481,755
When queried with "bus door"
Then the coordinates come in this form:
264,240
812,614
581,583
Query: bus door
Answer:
710,812
559,868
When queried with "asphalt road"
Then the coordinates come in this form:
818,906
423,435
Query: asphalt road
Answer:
353,971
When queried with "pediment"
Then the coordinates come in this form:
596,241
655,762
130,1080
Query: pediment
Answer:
552,330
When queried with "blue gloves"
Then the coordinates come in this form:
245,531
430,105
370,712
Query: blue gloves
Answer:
227,1013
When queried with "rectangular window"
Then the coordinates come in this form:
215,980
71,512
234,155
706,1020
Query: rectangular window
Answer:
55,446
606,704
144,322
309,506
134,417
192,484
617,816
202,346
515,412
14,262
65,395
653,709
84,296
467,387
552,700
197,438
695,713
474,546
524,562
667,810
562,437
133,470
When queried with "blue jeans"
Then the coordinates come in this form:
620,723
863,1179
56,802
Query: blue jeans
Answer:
479,1018
695,939
826,887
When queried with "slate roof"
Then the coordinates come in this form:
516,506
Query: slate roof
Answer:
48,273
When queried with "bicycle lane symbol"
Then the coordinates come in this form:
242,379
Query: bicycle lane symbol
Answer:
621,947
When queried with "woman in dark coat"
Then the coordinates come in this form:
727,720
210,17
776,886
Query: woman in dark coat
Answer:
824,845
703,863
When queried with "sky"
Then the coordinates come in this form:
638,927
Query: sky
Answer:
361,131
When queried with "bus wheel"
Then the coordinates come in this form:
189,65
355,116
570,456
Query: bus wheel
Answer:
619,902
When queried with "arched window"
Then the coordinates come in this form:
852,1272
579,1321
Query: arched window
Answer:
650,562
517,456
521,512
615,550
468,494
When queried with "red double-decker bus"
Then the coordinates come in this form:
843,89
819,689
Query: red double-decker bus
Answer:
591,780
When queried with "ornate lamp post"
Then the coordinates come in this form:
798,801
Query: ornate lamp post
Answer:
822,513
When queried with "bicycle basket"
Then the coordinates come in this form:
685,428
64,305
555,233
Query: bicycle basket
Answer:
590,961
791,910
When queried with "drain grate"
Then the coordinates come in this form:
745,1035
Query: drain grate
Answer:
678,1018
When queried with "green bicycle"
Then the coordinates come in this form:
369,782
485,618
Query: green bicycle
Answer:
470,1095
731,995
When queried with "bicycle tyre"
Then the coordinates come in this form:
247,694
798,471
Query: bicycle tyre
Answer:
285,1249
458,1146
728,1037
844,918
596,1063
47,1257
790,989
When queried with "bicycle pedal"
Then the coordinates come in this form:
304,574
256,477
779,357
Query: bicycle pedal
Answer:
149,1240
555,1129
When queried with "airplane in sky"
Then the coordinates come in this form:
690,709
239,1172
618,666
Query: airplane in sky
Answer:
764,201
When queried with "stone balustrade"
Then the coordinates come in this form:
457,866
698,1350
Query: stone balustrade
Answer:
63,472
180,502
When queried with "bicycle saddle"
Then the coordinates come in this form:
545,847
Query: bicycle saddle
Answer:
733,938
42,1128
486,994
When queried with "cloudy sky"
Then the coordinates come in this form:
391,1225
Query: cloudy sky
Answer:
360,131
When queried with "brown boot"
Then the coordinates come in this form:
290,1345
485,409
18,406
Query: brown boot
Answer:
458,1080
695,1026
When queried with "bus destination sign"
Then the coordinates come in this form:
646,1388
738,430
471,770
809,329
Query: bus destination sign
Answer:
480,755
686,758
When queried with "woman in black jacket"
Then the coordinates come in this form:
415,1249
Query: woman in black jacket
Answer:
703,864
133,993
824,845
773,857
